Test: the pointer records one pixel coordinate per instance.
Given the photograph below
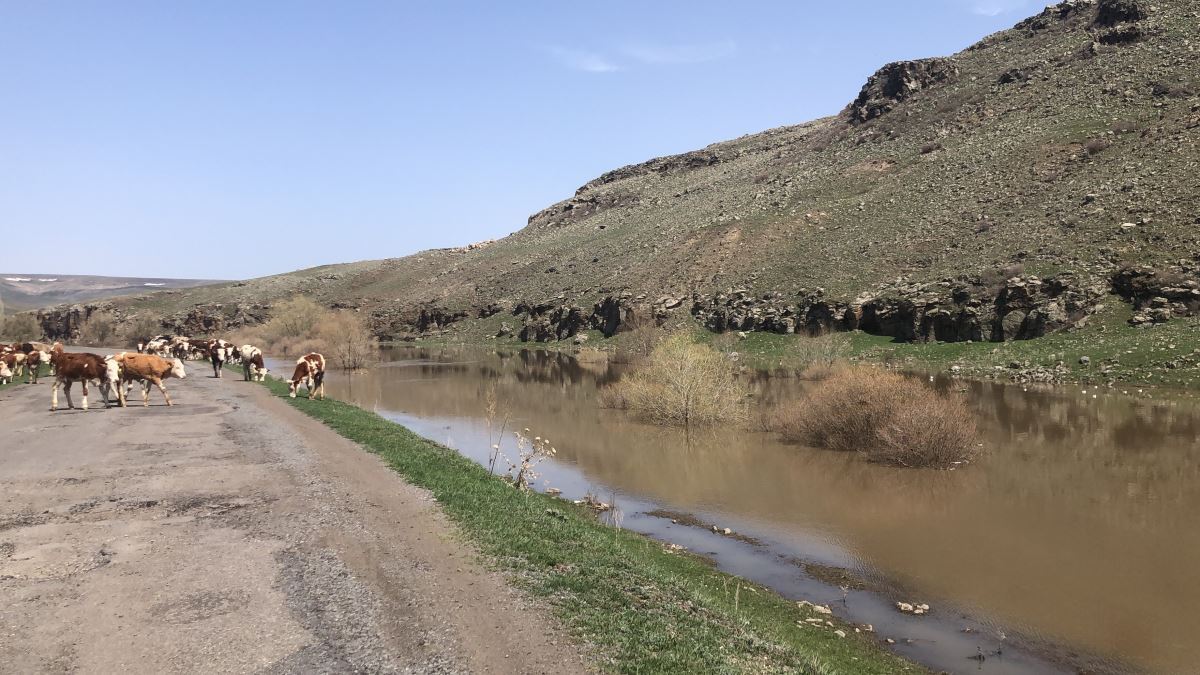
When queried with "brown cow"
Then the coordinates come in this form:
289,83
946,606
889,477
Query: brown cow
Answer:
33,365
147,369
310,371
72,367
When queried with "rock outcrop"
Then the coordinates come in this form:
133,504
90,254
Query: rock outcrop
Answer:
1112,12
65,323
1159,295
897,82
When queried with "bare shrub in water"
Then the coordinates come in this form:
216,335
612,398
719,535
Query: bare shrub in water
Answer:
293,328
816,356
347,340
639,335
888,417
683,384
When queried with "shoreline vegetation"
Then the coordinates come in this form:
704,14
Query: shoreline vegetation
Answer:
1107,352
639,605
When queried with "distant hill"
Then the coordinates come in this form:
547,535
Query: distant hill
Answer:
22,291
994,194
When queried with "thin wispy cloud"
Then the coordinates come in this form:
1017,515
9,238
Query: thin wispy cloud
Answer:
997,7
582,60
680,54
640,54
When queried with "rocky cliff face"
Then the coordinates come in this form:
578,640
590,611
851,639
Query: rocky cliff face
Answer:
64,323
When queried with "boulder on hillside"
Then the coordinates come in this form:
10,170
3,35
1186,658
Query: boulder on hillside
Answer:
897,82
1112,12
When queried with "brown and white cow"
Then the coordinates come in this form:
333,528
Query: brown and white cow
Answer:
15,363
33,365
159,345
253,368
310,372
219,352
6,373
72,367
147,369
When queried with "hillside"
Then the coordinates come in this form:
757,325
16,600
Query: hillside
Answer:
21,292
992,195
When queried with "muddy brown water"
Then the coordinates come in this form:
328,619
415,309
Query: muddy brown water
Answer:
1072,544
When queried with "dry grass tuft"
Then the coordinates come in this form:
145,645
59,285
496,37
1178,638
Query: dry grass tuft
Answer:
682,384
890,418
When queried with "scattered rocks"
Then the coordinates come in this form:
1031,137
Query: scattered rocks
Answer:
912,608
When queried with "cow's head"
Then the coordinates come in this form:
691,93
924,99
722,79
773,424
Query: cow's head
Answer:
177,369
292,387
112,369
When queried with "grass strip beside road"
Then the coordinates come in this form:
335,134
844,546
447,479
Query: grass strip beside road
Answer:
641,608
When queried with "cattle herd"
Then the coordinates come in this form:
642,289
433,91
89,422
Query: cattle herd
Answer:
157,359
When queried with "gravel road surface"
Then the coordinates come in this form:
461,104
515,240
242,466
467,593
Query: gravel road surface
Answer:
231,533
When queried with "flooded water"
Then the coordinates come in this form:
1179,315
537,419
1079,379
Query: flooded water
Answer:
1073,543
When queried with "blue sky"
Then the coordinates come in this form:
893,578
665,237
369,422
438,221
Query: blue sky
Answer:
230,139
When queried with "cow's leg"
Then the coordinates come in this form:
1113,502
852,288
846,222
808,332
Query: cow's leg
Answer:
54,397
67,391
164,392
83,384
246,371
145,394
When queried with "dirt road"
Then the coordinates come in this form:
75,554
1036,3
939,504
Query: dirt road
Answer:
233,534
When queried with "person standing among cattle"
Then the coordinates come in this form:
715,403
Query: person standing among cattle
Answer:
310,372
